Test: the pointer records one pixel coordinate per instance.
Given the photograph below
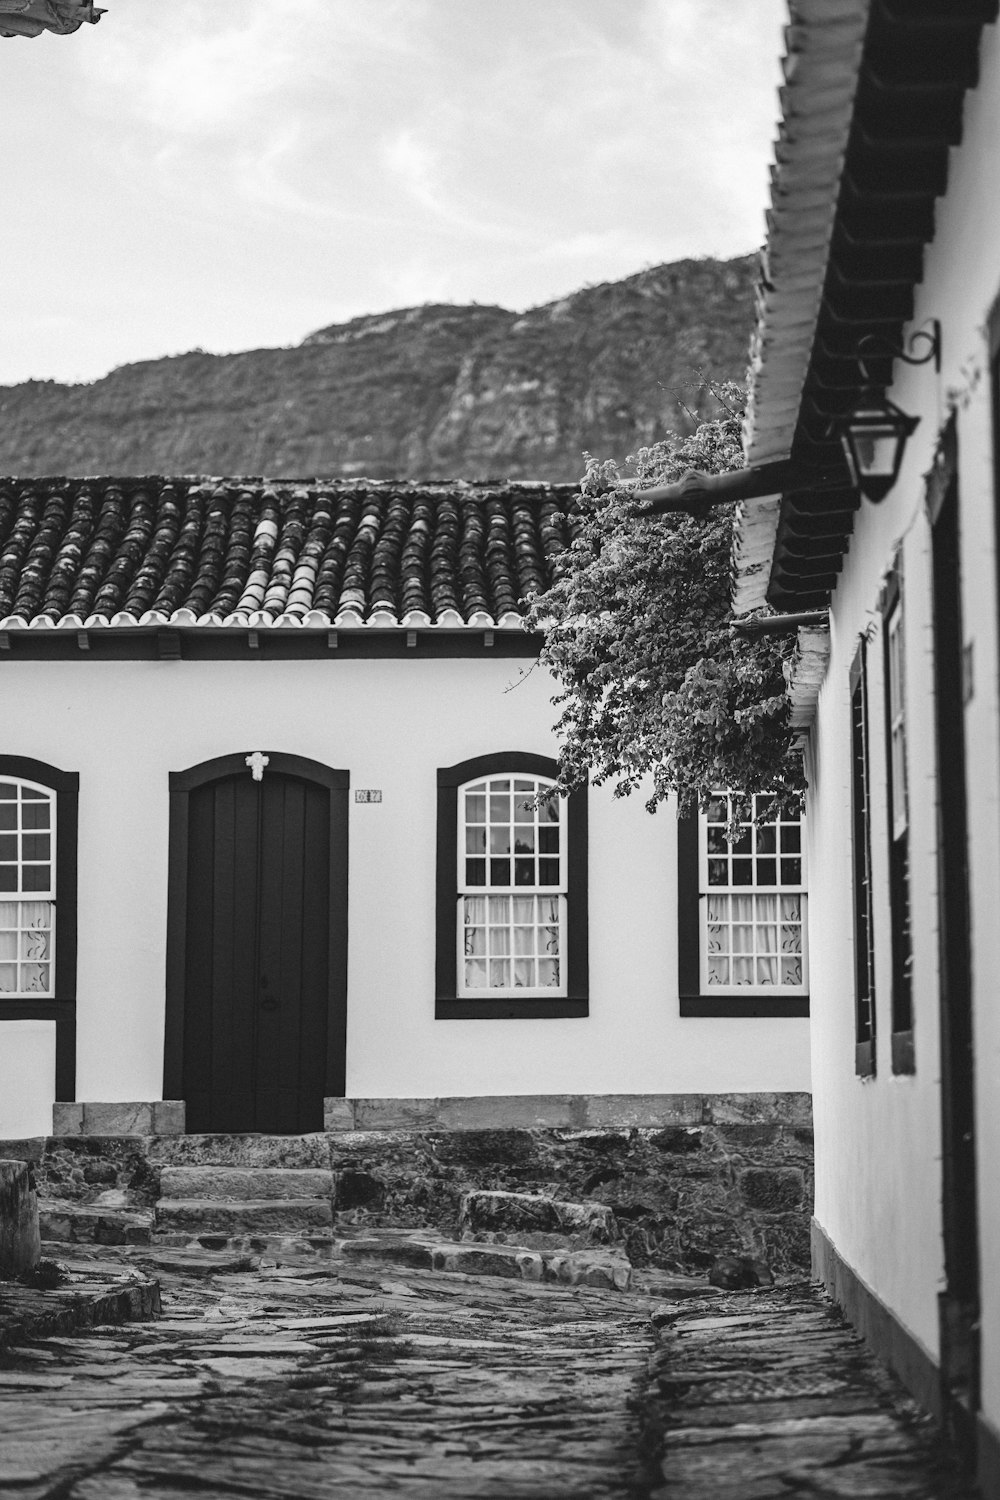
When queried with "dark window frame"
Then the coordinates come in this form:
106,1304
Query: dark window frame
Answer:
448,1006
60,1007
900,908
692,1001
865,1013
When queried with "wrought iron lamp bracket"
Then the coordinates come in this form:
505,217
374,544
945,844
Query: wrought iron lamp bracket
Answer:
876,344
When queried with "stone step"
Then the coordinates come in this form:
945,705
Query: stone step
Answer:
228,1216
240,1150
535,1219
246,1183
94,1224
600,1267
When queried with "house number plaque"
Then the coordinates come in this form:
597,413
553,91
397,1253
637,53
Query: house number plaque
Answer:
368,794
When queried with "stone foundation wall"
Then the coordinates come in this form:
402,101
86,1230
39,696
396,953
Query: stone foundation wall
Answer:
680,1197
677,1195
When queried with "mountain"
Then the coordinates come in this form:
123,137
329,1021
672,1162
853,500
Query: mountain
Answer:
426,392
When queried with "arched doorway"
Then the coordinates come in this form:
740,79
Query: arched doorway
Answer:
257,942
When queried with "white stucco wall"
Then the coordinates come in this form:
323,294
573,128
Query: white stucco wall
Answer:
124,726
878,1145
27,1078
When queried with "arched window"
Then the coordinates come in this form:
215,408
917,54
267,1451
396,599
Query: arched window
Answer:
27,889
512,905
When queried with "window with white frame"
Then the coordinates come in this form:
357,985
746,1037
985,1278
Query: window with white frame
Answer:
512,884
752,902
27,889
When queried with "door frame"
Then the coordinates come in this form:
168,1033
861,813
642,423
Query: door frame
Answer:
182,784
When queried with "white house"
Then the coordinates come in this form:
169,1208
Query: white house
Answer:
269,762
884,244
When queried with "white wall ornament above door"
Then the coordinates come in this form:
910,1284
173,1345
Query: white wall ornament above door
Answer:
257,761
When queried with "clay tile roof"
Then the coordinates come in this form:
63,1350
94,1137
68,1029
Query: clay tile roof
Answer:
234,553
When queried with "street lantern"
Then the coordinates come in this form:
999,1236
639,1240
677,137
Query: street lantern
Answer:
874,438
875,434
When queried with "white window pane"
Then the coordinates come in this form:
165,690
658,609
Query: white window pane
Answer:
791,938
791,971
548,971
524,973
475,973
523,908
35,979
499,908
767,971
743,971
475,909
718,970
499,974
8,945
524,940
499,940
475,941
742,939
34,945
8,979
718,939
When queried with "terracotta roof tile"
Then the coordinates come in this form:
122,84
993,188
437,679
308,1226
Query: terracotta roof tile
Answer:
236,553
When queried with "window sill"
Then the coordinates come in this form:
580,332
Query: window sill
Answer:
449,1009
736,1005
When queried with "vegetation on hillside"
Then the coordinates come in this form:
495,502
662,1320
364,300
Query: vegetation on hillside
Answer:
430,392
656,686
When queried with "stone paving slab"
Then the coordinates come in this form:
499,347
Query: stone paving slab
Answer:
294,1381
774,1395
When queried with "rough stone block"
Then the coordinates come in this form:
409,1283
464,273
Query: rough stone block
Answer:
135,1118
356,1189
479,1260
512,1214
240,1150
29,1148
168,1116
20,1243
773,1189
67,1118
763,1108
396,1114
245,1184
261,1216
338,1114
638,1111
589,1268
511,1112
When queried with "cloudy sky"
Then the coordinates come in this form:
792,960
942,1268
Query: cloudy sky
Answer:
229,174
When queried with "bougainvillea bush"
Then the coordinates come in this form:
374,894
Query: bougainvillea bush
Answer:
656,687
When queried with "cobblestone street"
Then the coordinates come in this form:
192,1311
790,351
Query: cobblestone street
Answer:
293,1382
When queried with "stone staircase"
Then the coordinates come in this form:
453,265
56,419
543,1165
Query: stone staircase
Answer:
570,1204
234,1201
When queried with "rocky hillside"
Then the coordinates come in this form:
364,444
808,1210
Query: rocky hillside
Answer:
426,392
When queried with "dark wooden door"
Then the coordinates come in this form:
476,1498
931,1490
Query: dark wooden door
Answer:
263,952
